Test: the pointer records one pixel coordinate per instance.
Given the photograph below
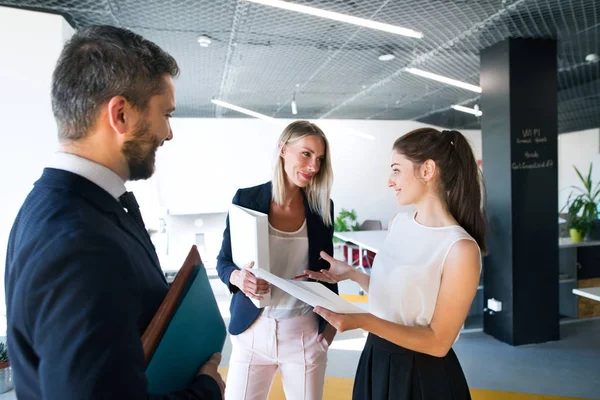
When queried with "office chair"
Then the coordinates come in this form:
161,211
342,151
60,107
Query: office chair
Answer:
369,225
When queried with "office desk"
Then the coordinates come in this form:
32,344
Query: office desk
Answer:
591,293
368,240
566,242
365,240
579,268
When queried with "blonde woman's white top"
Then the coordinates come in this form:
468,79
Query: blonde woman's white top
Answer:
288,257
407,271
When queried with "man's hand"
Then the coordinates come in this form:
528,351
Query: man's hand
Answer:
210,369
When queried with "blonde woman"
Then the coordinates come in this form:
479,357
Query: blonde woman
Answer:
285,336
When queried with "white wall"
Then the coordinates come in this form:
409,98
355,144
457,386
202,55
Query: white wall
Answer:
576,149
474,137
209,159
199,171
182,230
30,44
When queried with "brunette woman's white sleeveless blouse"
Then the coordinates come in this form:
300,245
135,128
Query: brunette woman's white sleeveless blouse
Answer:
404,286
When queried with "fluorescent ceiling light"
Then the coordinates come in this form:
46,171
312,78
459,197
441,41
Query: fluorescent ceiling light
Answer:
277,121
242,110
473,111
444,79
367,23
294,107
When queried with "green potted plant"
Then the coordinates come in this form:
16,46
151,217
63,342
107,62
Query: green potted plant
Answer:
345,221
6,382
578,226
582,208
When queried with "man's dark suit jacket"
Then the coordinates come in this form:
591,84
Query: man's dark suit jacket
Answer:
320,238
82,283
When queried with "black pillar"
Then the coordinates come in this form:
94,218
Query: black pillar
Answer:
520,166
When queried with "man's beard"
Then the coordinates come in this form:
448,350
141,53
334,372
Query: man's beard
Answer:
140,152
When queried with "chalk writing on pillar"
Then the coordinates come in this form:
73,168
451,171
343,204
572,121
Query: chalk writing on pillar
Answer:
535,156
532,164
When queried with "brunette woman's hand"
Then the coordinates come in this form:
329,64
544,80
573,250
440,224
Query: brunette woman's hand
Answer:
338,270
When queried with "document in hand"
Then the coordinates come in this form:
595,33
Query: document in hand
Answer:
249,232
312,293
186,330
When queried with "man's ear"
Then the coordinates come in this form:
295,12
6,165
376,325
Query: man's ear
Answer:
120,114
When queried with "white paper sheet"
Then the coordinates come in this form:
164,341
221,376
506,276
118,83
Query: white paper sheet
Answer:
249,233
312,293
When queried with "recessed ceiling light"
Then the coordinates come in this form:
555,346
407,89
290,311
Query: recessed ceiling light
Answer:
278,122
592,58
204,40
386,57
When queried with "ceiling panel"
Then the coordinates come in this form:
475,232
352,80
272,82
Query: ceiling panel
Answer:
261,57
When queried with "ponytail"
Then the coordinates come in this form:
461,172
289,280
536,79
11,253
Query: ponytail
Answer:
461,182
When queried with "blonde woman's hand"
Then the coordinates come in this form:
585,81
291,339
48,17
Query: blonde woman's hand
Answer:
338,270
252,286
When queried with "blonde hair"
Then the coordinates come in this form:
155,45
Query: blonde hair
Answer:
318,191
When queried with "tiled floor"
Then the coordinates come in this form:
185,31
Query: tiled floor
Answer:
341,389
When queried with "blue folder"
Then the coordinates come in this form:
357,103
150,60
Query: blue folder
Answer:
196,331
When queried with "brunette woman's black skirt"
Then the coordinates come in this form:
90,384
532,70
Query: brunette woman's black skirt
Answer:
390,372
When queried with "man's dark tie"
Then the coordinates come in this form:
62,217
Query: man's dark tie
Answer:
129,202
